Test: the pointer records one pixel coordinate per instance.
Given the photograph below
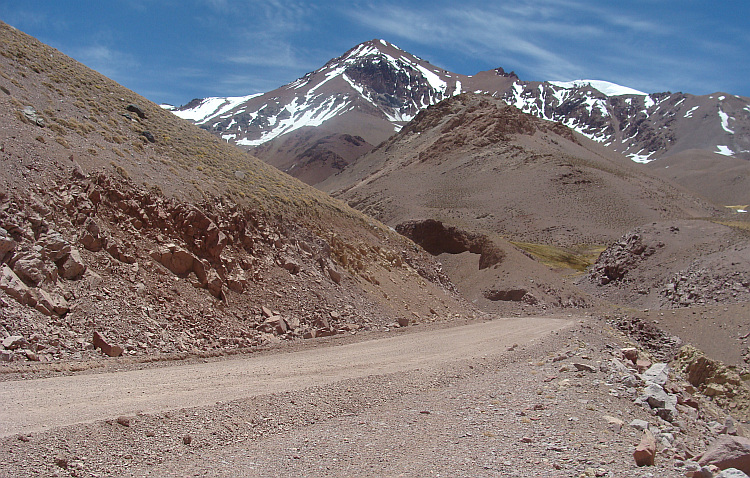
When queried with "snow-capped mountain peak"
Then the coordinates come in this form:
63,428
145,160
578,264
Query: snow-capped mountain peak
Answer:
375,77
376,87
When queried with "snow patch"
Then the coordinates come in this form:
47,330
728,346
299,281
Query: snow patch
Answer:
641,158
722,149
648,102
211,107
725,122
689,114
435,82
605,87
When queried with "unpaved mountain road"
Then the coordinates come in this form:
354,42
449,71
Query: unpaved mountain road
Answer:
42,404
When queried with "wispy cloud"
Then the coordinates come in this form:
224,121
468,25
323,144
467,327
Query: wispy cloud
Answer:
106,60
556,39
261,33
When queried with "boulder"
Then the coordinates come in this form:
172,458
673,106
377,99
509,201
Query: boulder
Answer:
658,373
111,350
645,452
30,113
728,452
7,244
117,251
31,268
149,136
275,324
215,285
639,424
14,342
584,367
50,304
137,110
73,266
732,473
91,237
14,286
656,397
178,260
290,265
54,246
614,423
238,281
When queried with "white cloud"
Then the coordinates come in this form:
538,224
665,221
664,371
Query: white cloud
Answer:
565,39
107,61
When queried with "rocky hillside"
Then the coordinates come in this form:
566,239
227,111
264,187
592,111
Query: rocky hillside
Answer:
126,230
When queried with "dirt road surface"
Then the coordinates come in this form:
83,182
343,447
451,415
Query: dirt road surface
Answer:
43,404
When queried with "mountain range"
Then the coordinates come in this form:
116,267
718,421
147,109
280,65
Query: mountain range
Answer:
313,127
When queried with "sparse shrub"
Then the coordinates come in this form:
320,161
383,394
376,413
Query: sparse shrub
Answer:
22,117
41,139
57,129
63,142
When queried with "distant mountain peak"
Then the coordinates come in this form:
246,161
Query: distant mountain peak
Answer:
375,88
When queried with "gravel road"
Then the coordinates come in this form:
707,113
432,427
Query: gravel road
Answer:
43,404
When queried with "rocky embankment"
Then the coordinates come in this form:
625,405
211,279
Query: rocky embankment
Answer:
95,265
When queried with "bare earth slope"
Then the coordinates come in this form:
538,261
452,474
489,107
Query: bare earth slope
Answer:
478,165
722,179
474,161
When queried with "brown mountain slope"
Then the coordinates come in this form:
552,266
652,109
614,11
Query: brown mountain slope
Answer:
120,219
310,154
722,179
473,161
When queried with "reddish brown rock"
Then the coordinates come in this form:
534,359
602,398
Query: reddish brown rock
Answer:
13,285
111,350
630,353
92,238
49,303
31,269
275,324
215,285
646,450
728,452
73,267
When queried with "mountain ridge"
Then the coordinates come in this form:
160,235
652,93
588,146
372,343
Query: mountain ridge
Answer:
375,88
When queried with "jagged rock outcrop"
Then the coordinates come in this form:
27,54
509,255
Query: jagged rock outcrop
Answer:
614,263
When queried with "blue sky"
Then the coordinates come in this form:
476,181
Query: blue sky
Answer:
175,50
